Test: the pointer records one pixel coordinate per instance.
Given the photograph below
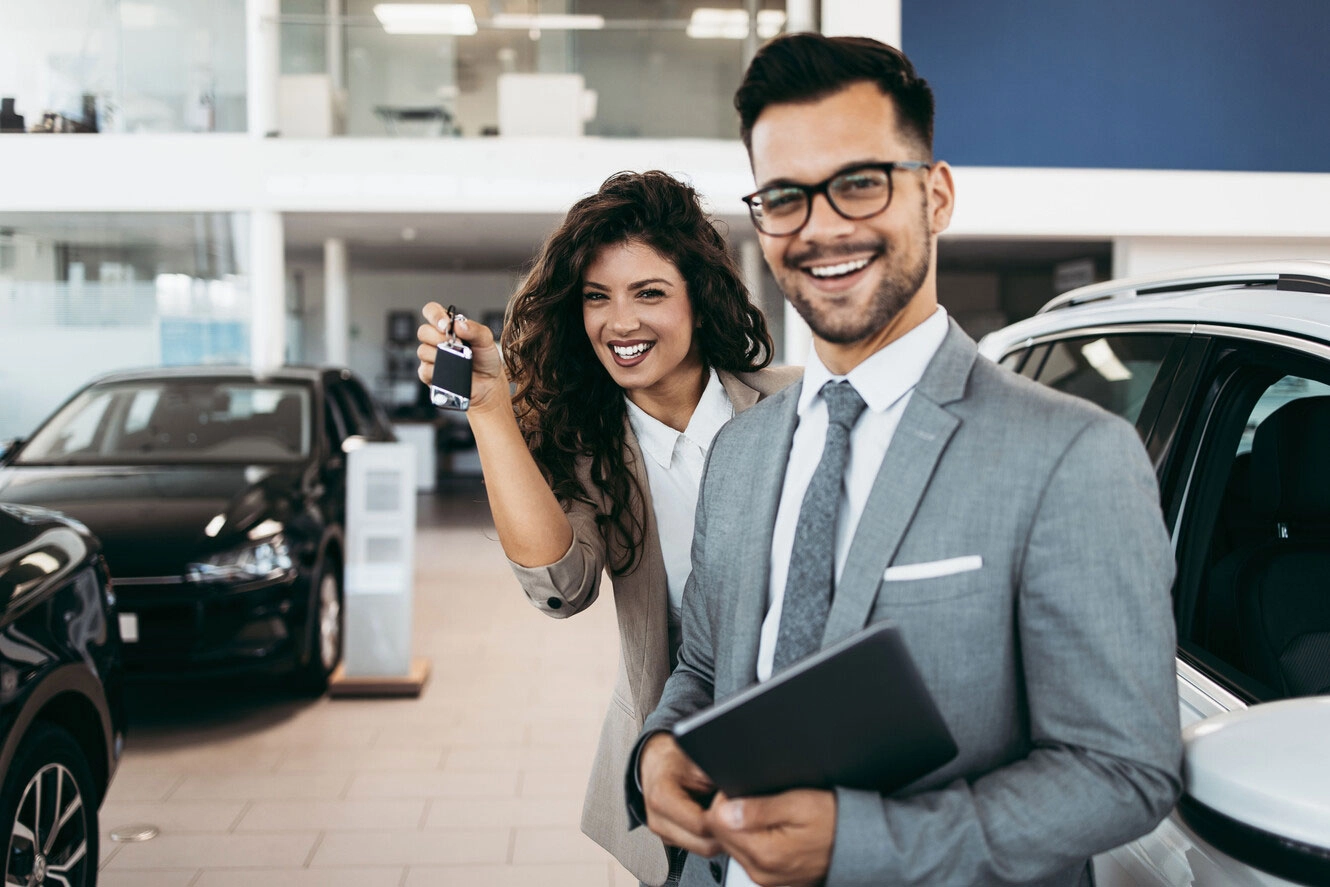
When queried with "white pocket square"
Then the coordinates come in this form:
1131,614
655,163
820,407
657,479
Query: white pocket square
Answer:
933,569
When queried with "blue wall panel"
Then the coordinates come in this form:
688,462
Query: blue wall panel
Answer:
1169,84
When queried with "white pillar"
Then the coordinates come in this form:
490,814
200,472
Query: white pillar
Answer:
336,337
263,65
336,45
267,290
880,19
800,16
798,337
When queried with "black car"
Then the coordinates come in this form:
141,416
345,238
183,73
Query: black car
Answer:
62,718
219,497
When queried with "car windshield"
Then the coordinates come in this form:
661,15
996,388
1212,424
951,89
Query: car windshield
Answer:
177,421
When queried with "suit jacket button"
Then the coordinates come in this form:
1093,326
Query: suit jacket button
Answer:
554,603
717,871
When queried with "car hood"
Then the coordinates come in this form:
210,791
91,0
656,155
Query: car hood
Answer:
152,521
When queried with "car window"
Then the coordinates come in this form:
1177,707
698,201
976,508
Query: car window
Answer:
1255,547
74,430
177,421
335,423
1115,371
356,421
364,405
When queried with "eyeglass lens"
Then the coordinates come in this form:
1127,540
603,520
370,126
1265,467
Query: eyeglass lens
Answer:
855,195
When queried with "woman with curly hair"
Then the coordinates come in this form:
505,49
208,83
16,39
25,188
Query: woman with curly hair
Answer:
630,342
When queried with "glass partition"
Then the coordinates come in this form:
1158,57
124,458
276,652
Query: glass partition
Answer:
616,68
122,66
87,293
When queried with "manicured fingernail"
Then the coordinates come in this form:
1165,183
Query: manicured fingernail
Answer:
460,320
443,324
733,814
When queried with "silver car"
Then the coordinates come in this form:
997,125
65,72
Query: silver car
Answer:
1225,372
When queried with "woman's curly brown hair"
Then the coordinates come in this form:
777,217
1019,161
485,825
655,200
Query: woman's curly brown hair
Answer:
567,404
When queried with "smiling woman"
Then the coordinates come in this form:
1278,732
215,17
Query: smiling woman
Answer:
630,343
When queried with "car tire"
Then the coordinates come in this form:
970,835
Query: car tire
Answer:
326,631
49,779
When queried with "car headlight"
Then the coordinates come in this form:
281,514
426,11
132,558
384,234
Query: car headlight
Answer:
263,559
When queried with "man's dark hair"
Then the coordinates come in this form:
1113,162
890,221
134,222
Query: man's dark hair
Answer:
810,67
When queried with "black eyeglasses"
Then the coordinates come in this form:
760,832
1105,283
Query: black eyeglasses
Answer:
858,193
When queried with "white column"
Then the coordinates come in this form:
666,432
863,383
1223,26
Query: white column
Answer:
336,337
336,44
264,65
880,19
798,337
267,290
800,16
750,269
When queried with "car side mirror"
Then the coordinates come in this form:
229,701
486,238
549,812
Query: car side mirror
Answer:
1257,787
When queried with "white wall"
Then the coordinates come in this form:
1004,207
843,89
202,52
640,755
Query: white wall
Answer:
375,293
1133,256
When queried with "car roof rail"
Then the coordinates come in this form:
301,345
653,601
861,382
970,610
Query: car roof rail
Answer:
1304,276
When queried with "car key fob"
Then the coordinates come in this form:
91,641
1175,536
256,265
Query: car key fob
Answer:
450,386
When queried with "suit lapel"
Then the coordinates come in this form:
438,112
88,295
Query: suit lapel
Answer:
769,451
907,469
649,608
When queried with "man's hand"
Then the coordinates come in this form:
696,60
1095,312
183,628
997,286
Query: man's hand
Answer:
782,839
673,792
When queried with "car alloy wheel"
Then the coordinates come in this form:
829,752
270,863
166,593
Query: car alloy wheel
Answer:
330,621
52,818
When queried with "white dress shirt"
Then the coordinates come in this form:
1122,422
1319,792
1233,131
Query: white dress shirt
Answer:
885,381
674,463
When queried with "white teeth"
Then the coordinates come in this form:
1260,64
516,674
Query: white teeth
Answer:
631,351
838,270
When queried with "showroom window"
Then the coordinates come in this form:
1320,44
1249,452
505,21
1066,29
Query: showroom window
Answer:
122,67
82,294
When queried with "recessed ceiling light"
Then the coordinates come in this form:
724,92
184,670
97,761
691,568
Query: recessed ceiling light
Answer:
426,18
547,22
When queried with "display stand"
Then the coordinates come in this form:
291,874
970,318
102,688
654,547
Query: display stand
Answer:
380,562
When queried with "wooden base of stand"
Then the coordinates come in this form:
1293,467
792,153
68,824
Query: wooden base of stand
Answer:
410,684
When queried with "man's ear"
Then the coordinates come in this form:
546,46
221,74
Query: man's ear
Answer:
941,196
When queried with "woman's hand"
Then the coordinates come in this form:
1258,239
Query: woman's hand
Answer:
489,382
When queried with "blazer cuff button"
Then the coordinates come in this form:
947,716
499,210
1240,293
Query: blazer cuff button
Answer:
554,603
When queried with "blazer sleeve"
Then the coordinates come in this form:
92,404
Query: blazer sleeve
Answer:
569,585
1097,646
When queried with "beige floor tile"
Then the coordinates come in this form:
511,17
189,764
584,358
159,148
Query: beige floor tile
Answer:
503,813
442,847
435,784
349,877
216,851
283,816
541,846
365,760
578,875
175,878
143,785
272,786
172,816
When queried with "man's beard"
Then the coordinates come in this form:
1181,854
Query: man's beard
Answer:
897,288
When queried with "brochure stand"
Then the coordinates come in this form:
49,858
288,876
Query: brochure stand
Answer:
380,561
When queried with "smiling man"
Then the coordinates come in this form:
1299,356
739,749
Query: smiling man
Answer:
1012,532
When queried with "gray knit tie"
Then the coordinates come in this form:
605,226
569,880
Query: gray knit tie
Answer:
812,574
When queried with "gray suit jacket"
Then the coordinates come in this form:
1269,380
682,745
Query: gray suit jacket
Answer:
642,600
1052,663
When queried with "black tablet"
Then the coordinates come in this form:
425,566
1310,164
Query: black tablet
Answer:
856,714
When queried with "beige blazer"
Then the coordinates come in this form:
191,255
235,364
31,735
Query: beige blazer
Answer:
642,601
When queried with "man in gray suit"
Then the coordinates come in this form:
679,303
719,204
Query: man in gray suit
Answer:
1012,532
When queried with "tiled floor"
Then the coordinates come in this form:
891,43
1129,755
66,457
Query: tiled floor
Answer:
477,782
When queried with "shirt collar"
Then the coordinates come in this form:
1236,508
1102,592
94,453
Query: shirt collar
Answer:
887,374
658,440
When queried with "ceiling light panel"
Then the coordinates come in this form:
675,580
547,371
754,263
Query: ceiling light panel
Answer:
426,18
